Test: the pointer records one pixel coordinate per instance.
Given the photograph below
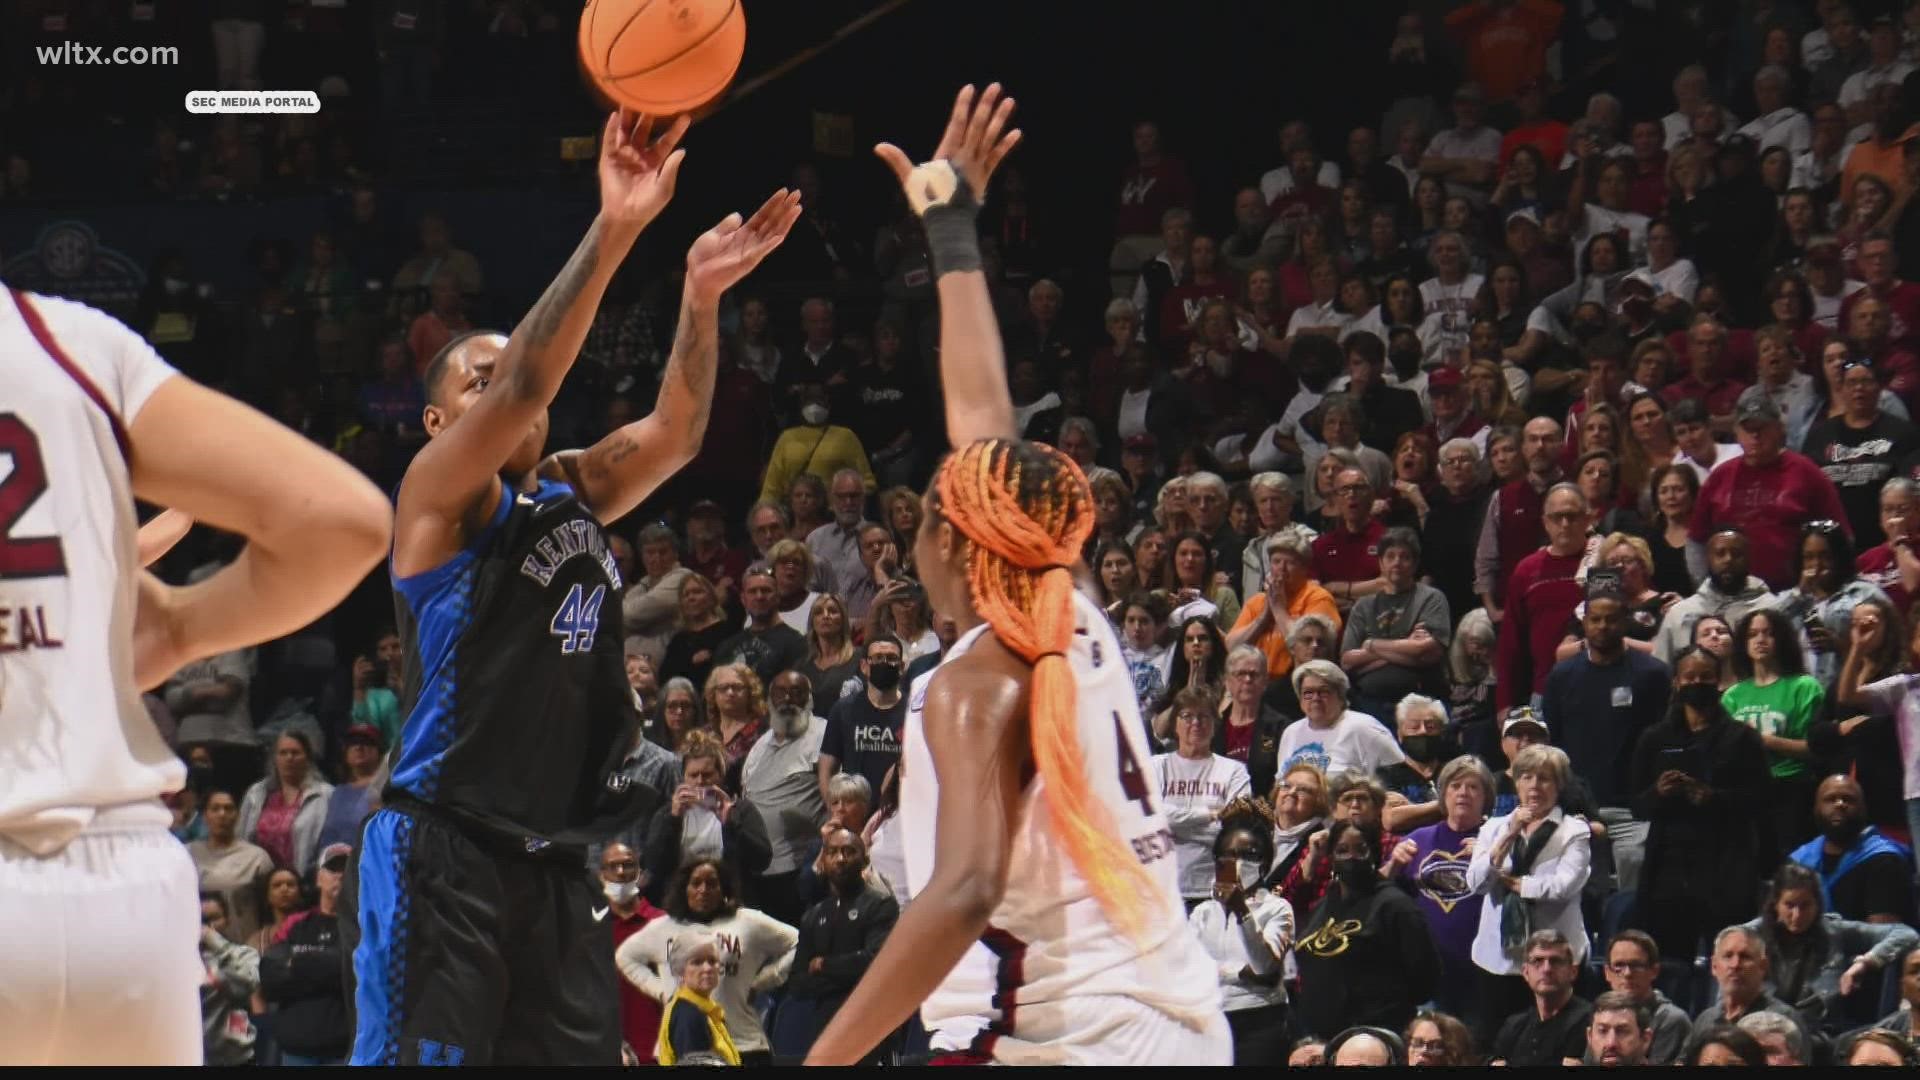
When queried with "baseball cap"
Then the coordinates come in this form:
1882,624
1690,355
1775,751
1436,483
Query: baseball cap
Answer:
1469,91
364,733
1527,214
1756,404
1444,378
1736,144
706,508
334,857
1143,443
1523,714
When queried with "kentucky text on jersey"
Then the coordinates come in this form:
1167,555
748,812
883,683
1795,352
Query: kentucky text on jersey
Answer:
568,540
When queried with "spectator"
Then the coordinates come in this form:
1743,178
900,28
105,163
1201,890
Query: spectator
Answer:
850,807
652,601
1825,595
1541,596
1553,1029
821,363
1692,436
837,543
1347,556
1700,782
793,574
838,939
1729,593
1451,534
1272,494
284,811
901,610
780,779
209,698
890,399
1195,784
232,979
1706,380
1432,864
768,646
357,795
436,259
1249,729
693,1027
1633,962
1881,1048
1513,526
1365,954
704,905
1435,1039
1905,1020
1268,617
285,899
620,883
833,664
230,868
1861,448
703,822
1466,156
863,730
1776,697
651,761
1253,244
1396,639
707,553
433,329
1900,520
1160,274
1198,591
1600,700
1300,808
1768,491
303,974
815,446
879,563
1723,1044
1817,958
737,710
1470,682
1864,876
1531,865
1329,735
701,627
1740,968
1390,412
1248,931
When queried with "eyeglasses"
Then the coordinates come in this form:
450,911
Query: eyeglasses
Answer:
1427,1046
1565,516
730,688
1622,563
1310,692
1627,967
1193,718
1243,676
1352,489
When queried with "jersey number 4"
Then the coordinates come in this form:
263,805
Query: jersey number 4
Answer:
26,481
1133,779
578,619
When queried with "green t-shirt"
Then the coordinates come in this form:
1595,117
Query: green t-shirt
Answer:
1784,709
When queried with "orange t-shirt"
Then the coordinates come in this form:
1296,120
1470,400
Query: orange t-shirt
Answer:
1869,158
1506,47
1310,599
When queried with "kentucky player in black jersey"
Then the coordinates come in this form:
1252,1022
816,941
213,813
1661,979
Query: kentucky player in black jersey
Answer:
479,940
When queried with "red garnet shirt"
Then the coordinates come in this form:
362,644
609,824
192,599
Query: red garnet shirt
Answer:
1340,555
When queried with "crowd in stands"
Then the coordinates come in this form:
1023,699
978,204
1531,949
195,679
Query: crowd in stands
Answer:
1509,510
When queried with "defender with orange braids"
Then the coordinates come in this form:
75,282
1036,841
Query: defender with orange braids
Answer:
1046,925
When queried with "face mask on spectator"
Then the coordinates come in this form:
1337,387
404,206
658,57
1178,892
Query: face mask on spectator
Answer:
1427,748
1249,874
621,892
814,413
1700,697
885,677
1353,872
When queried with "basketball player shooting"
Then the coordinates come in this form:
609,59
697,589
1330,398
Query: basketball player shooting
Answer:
477,941
1030,827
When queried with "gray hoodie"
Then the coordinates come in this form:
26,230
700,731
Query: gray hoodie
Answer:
233,974
1676,630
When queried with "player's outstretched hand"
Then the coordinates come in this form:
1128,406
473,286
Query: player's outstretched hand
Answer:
638,171
730,250
976,142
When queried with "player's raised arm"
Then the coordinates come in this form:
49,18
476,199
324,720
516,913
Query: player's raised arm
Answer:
975,730
947,193
451,485
314,526
615,474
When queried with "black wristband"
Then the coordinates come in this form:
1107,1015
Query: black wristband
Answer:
953,236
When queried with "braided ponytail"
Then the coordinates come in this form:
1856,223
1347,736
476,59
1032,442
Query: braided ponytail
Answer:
1027,510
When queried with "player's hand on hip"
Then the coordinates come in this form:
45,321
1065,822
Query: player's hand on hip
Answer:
975,142
734,248
637,170
158,651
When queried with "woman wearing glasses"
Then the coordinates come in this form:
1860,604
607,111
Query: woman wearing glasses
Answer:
1825,592
1194,785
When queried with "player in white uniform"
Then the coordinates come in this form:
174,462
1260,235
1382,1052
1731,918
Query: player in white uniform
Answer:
97,900
1031,825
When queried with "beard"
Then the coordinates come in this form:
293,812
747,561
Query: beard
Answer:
1845,831
789,721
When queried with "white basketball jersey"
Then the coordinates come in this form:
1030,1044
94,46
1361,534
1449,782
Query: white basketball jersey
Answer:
1049,939
74,737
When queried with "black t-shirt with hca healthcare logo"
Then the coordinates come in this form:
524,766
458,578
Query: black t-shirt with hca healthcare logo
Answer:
1859,461
863,739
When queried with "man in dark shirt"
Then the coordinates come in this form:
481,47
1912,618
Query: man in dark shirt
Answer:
1868,877
863,730
768,645
1860,449
1597,702
839,937
1391,412
1554,1031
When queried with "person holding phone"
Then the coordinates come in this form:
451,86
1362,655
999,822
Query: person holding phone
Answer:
1700,782
1248,931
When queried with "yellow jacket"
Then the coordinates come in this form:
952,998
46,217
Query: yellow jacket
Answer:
820,451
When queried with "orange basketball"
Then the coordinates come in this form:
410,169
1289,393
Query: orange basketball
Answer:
662,56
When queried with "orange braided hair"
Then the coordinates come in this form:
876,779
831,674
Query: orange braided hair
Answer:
1027,511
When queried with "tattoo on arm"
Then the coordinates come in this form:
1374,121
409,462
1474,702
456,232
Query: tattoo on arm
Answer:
543,322
602,459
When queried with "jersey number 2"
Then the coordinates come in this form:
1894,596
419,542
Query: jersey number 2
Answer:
1133,779
24,556
578,619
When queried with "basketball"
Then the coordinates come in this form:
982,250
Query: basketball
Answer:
662,57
